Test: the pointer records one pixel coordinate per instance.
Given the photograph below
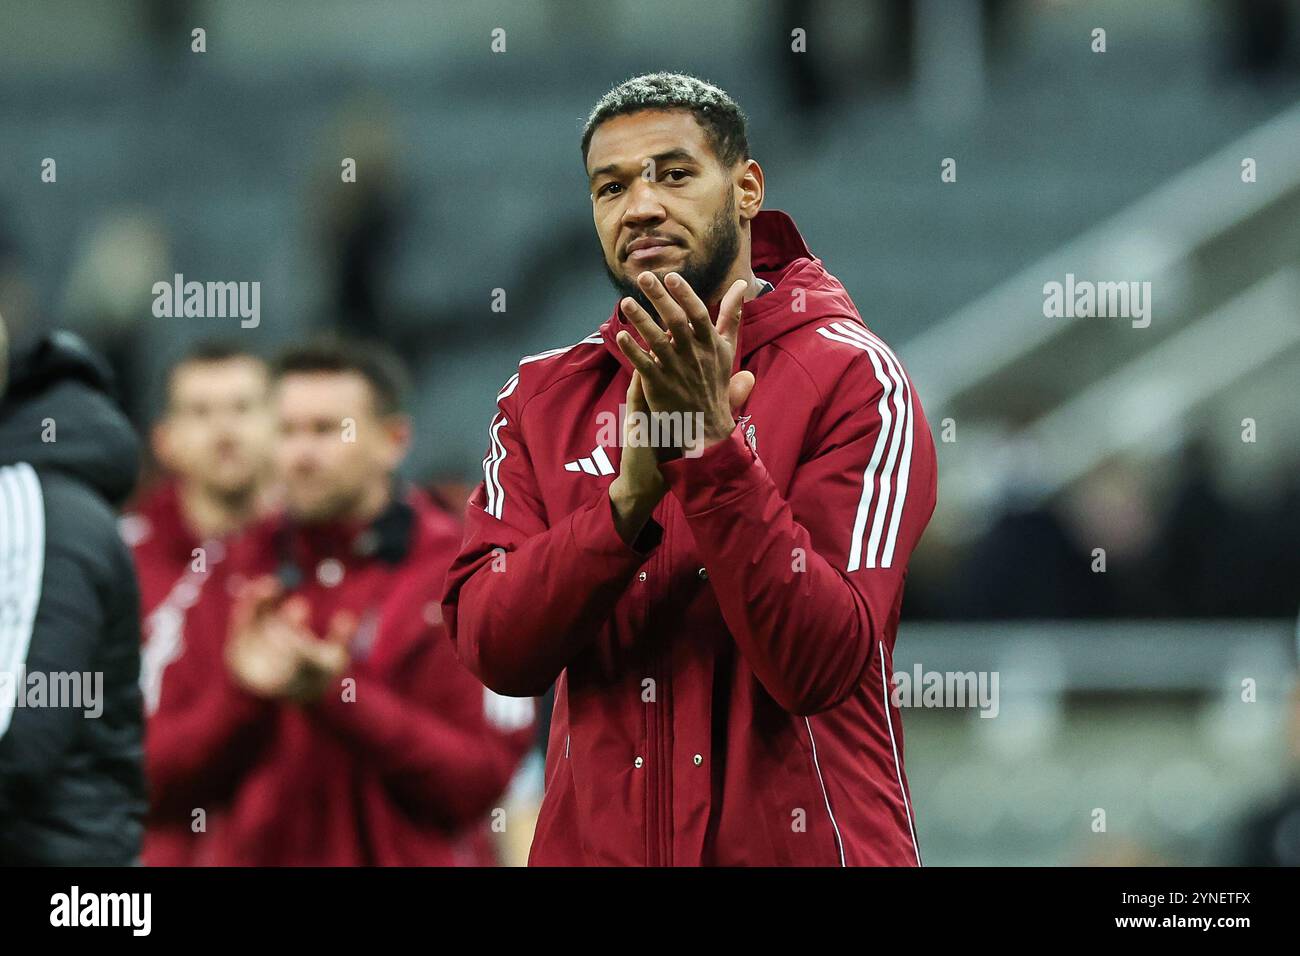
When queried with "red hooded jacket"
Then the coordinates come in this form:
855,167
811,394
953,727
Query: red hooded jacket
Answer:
722,693
403,774
172,572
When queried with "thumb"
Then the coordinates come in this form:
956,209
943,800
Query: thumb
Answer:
341,628
332,653
738,389
635,394
729,312
297,612
253,602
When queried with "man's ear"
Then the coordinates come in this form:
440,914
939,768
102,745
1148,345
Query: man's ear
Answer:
397,428
750,184
160,445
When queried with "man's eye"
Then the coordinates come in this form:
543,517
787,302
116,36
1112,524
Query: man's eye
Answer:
601,190
673,172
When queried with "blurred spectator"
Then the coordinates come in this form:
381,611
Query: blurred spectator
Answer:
213,442
107,297
1197,555
1206,560
323,713
1261,37
849,50
361,220
17,295
1025,566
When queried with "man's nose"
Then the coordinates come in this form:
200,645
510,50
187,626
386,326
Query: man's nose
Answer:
643,203
302,466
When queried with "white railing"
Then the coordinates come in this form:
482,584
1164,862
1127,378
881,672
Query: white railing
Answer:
1140,404
1150,238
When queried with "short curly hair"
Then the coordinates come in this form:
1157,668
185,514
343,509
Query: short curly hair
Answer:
723,121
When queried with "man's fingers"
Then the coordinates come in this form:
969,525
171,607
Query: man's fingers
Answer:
669,309
297,612
641,360
342,626
729,311
253,601
636,394
738,389
279,636
697,313
651,334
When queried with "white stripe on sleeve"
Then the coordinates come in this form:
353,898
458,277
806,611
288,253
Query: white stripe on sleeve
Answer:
496,497
905,463
495,491
895,428
22,568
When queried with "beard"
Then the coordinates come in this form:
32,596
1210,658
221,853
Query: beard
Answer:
704,272
306,504
231,486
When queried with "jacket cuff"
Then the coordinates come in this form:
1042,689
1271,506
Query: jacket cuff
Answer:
593,532
724,471
338,713
238,706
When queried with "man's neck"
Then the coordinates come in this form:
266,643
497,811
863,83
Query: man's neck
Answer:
753,286
371,504
215,516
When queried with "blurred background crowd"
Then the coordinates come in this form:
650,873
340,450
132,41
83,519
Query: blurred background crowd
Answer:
1171,454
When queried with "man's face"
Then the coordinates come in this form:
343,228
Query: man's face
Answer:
332,451
217,429
662,202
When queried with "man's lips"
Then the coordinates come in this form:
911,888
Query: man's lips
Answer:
639,249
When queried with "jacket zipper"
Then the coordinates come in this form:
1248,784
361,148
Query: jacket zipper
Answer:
652,736
660,828
652,780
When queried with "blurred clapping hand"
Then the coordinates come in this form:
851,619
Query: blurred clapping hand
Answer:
272,652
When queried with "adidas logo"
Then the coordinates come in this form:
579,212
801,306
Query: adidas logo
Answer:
597,464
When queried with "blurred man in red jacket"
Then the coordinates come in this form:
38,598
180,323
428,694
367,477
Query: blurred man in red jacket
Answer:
319,710
213,444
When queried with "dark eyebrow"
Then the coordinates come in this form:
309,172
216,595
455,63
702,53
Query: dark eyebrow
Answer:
679,154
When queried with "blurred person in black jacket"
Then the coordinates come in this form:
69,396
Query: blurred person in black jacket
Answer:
71,780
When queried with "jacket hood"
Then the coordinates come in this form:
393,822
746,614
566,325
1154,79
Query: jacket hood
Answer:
803,292
59,413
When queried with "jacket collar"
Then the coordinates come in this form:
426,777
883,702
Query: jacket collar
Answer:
158,519
388,538
776,250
